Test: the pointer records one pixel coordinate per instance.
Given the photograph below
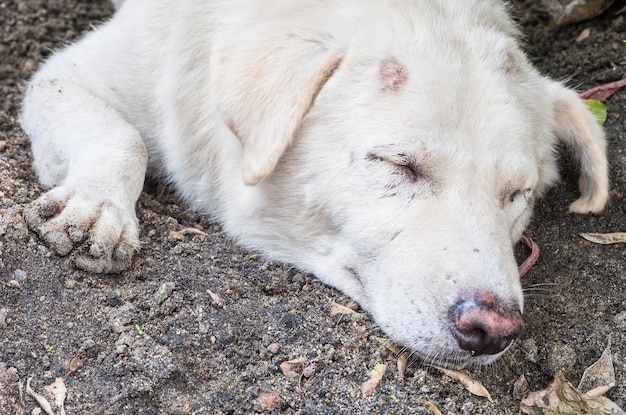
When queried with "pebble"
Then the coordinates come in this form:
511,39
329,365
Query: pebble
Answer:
12,372
308,371
4,312
620,320
20,275
274,348
121,317
91,348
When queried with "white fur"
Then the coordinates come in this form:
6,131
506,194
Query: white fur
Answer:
291,122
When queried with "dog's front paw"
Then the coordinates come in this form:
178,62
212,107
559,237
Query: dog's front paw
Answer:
101,234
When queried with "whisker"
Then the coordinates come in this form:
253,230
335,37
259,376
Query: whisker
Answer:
543,284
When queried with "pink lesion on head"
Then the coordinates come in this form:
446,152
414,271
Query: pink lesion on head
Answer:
392,73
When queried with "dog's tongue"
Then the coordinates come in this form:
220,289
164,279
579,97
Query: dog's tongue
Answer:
532,258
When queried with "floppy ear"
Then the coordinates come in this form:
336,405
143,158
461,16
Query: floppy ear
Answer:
264,88
574,125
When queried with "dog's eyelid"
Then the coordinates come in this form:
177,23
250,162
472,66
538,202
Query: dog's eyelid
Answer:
411,170
514,195
526,193
402,162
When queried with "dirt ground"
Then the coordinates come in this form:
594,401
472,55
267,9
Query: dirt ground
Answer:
153,340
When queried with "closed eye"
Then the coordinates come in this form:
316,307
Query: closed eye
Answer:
525,193
410,171
402,164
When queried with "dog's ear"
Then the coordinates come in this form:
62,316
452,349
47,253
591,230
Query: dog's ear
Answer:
574,125
264,88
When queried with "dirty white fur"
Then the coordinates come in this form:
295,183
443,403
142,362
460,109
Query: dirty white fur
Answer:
392,148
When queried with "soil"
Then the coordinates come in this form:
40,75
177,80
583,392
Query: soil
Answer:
153,340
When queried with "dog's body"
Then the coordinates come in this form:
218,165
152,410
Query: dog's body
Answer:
392,148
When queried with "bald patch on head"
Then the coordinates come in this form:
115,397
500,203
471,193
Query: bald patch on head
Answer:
392,73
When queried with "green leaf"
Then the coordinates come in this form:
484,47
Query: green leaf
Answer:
376,369
598,109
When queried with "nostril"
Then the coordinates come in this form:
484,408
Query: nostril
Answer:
484,324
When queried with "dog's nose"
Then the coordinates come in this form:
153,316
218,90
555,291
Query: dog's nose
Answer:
484,324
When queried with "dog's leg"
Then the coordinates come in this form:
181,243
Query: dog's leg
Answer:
95,161
576,127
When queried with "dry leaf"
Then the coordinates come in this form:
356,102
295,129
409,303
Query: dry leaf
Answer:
75,364
376,375
605,238
391,346
470,384
192,231
583,35
217,298
599,377
403,361
432,407
561,398
269,400
340,309
403,357
180,235
41,401
289,367
58,390
603,92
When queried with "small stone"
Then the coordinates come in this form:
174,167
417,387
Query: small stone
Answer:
91,348
620,320
113,300
274,348
12,372
20,275
308,371
269,401
4,312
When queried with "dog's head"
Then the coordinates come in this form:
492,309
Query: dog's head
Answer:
404,146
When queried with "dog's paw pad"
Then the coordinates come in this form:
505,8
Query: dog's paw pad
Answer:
588,205
106,232
98,261
58,240
36,213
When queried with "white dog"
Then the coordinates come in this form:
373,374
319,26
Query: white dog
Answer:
393,148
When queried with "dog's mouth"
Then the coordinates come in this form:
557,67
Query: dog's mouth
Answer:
479,327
